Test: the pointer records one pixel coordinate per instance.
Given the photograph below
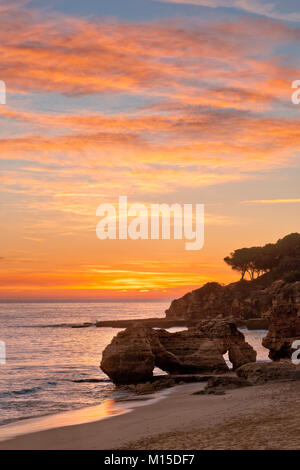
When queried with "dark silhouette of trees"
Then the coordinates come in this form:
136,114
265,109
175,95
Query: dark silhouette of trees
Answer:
258,260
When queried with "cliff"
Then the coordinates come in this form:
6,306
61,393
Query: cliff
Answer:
242,300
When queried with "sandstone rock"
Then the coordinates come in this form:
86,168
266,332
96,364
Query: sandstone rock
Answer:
222,383
227,382
159,382
231,340
261,372
210,391
193,350
152,322
284,326
296,375
242,300
258,323
148,387
133,353
129,359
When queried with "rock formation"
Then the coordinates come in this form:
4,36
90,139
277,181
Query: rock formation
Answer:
258,324
239,301
248,304
221,383
261,372
284,326
129,358
229,339
133,353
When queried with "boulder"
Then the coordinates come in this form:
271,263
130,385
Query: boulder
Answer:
222,383
129,359
133,353
193,349
227,382
262,372
151,387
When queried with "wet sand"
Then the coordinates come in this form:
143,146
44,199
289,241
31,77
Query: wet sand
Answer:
260,417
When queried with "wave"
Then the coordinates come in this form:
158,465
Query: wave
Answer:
79,381
59,325
23,391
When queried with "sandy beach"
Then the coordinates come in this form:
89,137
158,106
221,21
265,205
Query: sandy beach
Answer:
248,418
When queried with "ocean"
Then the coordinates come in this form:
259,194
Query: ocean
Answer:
52,368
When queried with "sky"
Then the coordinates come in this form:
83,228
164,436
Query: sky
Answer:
174,101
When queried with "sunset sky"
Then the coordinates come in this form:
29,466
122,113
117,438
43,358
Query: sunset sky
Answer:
185,101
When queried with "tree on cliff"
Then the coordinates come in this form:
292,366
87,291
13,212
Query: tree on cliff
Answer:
246,260
258,260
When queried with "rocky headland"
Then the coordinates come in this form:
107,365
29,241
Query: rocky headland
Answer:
213,313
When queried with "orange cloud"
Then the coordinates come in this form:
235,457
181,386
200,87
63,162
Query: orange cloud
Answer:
79,56
273,201
213,96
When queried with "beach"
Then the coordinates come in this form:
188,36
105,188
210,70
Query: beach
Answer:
248,418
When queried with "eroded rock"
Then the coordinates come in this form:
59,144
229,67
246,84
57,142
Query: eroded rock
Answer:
231,340
284,326
129,359
223,383
262,372
241,301
193,350
258,323
133,353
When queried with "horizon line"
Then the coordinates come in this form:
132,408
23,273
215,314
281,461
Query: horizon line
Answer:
55,301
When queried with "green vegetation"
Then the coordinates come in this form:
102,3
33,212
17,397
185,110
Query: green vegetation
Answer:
282,256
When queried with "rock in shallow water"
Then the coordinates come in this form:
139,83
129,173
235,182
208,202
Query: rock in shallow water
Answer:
132,355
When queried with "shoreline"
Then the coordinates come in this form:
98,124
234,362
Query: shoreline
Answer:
110,408
247,418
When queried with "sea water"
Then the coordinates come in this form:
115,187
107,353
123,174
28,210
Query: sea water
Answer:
52,368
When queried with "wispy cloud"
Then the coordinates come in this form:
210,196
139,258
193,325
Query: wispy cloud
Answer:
273,201
75,56
191,104
258,7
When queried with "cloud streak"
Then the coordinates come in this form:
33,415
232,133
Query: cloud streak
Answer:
185,105
273,201
257,7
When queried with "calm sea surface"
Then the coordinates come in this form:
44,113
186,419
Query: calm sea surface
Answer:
49,365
